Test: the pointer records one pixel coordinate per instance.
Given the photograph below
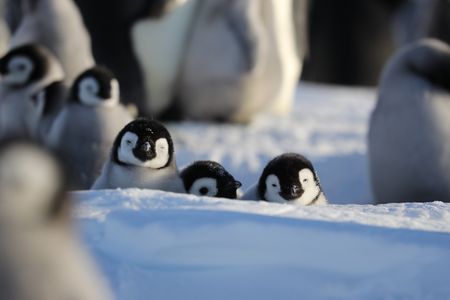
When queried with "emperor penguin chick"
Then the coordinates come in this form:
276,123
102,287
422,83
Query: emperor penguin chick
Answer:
142,157
209,178
57,25
24,72
41,257
84,131
409,135
288,178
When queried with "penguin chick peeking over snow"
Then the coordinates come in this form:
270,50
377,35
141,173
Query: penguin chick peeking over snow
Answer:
288,178
143,156
209,178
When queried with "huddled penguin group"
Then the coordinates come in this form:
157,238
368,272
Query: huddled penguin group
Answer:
52,91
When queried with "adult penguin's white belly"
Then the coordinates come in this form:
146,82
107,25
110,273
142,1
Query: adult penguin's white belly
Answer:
159,44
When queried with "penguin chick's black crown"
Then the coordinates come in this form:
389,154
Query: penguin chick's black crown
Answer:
103,78
37,55
148,132
286,167
226,184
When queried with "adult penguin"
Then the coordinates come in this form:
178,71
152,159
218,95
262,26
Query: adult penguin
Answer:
241,59
112,40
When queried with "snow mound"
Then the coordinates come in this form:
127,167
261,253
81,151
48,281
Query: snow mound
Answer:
157,245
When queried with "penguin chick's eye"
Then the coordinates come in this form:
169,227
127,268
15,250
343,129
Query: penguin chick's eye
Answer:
204,190
272,182
129,140
306,176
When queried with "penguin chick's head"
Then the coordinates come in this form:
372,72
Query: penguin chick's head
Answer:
208,178
289,178
143,143
24,65
32,184
96,86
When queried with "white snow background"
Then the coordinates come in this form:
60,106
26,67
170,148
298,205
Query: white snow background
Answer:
157,245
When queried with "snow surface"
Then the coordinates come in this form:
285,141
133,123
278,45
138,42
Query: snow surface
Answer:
157,245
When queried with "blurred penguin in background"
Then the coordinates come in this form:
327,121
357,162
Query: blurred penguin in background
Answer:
55,24
4,31
225,60
41,257
241,59
409,136
113,43
26,71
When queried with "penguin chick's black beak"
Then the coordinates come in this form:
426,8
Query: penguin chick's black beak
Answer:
144,152
237,184
291,193
146,147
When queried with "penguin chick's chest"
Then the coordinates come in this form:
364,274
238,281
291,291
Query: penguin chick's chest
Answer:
131,176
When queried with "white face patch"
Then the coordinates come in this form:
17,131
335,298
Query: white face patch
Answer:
204,187
273,189
19,70
310,187
89,88
128,143
162,155
29,180
125,150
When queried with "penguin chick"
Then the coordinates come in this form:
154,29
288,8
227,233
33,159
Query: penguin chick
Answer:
24,71
409,133
142,157
84,130
57,25
209,178
40,256
288,178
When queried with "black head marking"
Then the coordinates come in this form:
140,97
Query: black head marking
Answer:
226,184
39,56
286,167
148,132
101,75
